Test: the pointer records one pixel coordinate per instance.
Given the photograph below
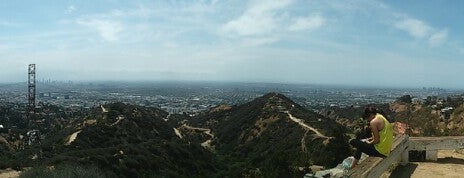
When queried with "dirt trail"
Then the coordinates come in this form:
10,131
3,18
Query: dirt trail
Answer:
104,109
9,173
72,137
167,117
177,131
207,143
303,142
302,124
307,128
117,120
206,131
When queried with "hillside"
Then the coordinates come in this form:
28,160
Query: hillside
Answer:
430,117
270,136
123,141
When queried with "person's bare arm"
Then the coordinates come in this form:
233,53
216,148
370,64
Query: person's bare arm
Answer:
375,132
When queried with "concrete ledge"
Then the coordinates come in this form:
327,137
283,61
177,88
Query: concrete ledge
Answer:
436,143
375,166
431,145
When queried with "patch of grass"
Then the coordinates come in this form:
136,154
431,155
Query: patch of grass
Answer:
64,170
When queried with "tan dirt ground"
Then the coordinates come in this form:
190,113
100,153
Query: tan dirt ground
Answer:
450,164
9,173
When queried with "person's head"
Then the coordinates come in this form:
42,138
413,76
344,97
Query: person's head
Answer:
369,113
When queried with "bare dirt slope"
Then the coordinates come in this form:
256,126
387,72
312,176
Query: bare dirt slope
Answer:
9,173
449,164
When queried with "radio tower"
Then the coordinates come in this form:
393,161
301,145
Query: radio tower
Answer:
33,136
31,86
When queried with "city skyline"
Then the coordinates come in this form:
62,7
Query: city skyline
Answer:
358,43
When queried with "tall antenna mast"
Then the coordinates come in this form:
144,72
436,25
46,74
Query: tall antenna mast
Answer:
31,87
32,135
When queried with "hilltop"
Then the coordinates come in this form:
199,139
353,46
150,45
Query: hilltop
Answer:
271,136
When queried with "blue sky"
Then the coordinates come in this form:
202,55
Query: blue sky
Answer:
397,43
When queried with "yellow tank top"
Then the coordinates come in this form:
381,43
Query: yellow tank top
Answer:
386,137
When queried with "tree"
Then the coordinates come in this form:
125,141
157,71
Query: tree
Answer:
405,99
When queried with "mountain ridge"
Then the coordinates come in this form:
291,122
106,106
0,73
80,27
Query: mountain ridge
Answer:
270,136
263,128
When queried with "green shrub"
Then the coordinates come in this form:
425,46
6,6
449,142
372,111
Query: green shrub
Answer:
64,170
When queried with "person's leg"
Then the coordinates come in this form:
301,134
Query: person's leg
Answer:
363,147
354,163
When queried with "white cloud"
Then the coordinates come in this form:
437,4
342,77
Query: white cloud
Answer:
261,17
145,23
107,29
111,25
438,38
420,30
230,40
414,27
70,10
307,23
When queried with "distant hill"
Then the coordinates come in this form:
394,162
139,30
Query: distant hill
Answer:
126,141
270,136
430,117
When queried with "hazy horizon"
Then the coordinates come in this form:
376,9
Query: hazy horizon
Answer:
410,44
207,83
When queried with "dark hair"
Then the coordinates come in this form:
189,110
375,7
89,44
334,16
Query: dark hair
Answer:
368,111
372,110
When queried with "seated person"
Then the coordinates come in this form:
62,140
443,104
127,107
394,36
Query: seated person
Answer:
379,145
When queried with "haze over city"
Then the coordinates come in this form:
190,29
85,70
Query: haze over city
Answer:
365,43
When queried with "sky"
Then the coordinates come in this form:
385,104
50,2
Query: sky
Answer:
395,43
